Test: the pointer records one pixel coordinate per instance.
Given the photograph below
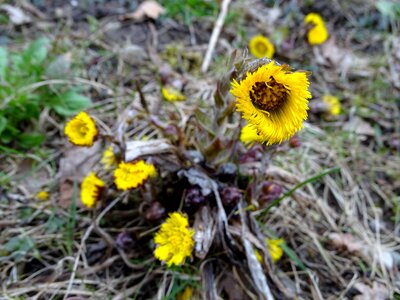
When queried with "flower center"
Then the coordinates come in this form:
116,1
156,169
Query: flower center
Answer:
268,96
261,47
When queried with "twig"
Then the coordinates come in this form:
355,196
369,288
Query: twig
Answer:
215,35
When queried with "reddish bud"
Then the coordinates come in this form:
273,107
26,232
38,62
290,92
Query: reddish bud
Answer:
155,211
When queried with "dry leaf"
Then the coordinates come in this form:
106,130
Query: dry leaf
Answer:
346,241
77,162
377,292
17,15
205,228
136,149
150,9
359,126
344,60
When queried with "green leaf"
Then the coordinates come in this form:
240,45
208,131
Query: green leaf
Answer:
3,123
59,67
3,62
36,53
71,103
28,141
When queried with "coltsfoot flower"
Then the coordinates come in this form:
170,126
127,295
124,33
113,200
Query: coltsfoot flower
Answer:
260,46
81,130
91,189
170,94
274,100
318,33
249,135
174,240
108,159
42,195
132,174
333,104
275,249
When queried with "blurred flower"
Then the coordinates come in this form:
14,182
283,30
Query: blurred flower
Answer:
172,95
318,33
42,195
258,256
333,104
274,101
249,135
81,130
186,294
91,189
260,46
274,248
174,240
109,160
131,175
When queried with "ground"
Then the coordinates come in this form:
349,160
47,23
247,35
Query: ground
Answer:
330,194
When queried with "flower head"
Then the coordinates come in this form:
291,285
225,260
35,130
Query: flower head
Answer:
174,240
273,100
172,95
249,135
186,294
81,130
109,160
91,189
42,195
274,248
260,46
333,104
318,33
131,175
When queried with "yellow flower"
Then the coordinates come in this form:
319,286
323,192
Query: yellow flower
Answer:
91,188
274,248
186,294
131,175
274,101
333,104
172,95
318,34
260,46
249,135
42,195
81,130
174,240
258,256
109,160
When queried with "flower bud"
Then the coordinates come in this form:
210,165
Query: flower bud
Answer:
124,240
230,196
270,192
194,198
294,142
155,211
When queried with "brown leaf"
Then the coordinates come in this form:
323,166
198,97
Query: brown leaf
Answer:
346,241
149,8
77,162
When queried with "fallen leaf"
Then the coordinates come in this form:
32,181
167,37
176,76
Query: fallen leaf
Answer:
377,292
359,126
346,241
150,9
17,15
205,228
77,162
136,149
